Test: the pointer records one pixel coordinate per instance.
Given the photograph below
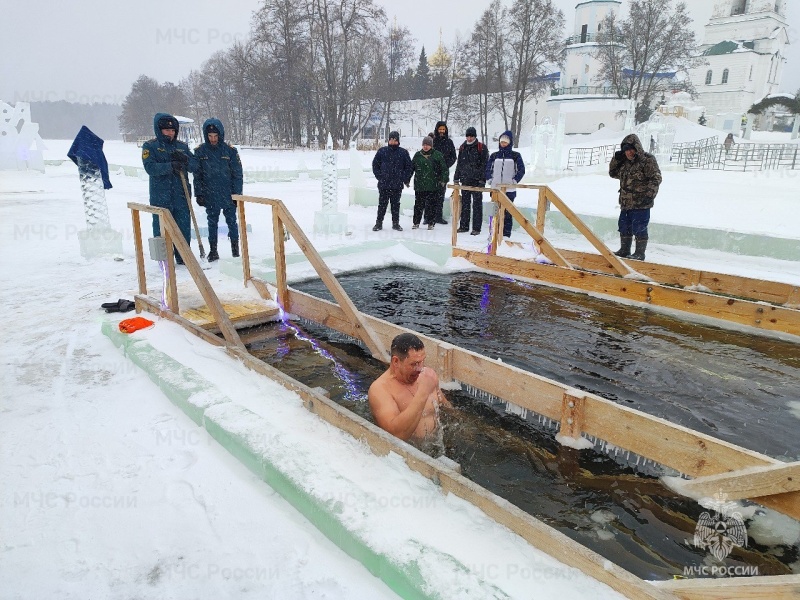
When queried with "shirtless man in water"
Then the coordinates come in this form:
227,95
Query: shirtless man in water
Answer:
404,399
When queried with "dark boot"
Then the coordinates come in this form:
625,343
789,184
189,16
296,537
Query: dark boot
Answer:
641,246
625,246
234,248
378,227
212,254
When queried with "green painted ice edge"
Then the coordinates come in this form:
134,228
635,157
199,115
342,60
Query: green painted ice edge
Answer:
181,383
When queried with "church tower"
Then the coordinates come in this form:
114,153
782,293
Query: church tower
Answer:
580,68
744,48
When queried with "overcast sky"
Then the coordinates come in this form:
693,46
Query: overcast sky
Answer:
93,50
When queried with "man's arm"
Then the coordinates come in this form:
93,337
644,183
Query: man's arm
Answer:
237,173
389,417
376,165
153,166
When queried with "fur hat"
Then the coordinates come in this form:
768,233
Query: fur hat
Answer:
427,141
167,123
471,132
212,129
394,135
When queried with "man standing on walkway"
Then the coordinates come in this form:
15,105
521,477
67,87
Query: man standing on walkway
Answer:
219,175
444,145
470,170
392,168
639,178
166,160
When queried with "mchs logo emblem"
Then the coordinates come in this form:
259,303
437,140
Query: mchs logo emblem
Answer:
723,531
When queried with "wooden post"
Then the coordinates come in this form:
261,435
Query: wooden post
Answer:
280,259
541,210
172,288
137,243
456,214
496,231
620,267
572,410
364,331
445,356
243,240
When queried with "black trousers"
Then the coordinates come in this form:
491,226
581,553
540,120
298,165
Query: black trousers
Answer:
473,200
425,202
384,198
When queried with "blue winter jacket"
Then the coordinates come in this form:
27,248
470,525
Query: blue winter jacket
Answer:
89,147
219,171
392,168
166,189
507,152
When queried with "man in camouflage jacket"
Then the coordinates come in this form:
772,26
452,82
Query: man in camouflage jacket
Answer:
639,178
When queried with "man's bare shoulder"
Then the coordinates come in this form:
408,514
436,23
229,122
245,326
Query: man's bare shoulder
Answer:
380,386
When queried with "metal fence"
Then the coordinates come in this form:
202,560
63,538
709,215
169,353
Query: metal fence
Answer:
707,153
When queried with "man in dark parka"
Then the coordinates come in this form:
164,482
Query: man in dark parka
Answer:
165,158
219,175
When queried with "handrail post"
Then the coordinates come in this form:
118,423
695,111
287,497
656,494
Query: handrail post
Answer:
172,287
456,217
137,243
541,210
496,231
280,259
243,241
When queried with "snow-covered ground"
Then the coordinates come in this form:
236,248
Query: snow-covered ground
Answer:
111,491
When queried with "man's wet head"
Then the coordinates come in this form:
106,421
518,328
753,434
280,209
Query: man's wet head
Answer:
408,357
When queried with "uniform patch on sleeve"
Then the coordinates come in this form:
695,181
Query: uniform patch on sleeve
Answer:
145,153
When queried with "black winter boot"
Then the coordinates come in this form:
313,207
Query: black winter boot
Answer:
641,246
212,254
234,248
625,246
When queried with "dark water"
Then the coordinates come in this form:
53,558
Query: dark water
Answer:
729,385
624,515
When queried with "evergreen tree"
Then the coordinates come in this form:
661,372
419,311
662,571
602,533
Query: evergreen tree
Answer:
422,77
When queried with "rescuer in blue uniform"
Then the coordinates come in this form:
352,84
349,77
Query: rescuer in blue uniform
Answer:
165,158
218,176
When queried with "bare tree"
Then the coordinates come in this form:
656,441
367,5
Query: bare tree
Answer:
146,98
480,53
641,54
534,44
281,31
399,54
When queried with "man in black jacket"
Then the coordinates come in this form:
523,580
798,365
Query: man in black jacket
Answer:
472,158
392,168
443,143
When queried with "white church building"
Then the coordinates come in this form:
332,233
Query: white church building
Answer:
744,48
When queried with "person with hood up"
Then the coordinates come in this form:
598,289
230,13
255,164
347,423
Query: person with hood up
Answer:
506,167
165,159
470,171
218,176
392,168
639,178
430,178
444,145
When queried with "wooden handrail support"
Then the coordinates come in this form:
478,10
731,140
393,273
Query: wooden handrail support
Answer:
687,451
169,225
752,482
280,217
505,203
619,266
